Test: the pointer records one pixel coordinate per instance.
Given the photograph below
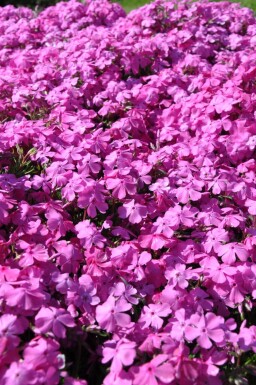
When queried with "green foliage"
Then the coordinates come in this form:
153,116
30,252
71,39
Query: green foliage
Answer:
19,162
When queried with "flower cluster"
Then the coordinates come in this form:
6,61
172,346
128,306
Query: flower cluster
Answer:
127,194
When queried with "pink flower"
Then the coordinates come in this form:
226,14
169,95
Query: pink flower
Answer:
205,328
218,271
230,251
93,198
53,320
40,351
156,369
178,275
189,192
153,314
56,222
251,204
32,253
112,313
11,325
134,211
122,353
89,235
20,373
214,239
126,291
24,298
152,241
178,325
121,186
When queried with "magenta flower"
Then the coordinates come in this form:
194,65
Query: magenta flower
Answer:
152,241
121,186
121,353
56,222
11,325
32,253
93,198
178,325
178,275
126,291
24,298
181,215
214,239
218,271
156,370
153,315
5,205
205,329
19,373
133,211
40,351
89,235
53,320
189,192
112,313
127,193
231,251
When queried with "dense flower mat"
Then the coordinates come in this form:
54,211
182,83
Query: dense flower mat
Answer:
127,194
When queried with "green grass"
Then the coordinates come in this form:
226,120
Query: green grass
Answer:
128,5
245,3
131,4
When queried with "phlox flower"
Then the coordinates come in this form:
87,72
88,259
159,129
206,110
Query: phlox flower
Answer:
24,298
121,186
89,164
127,193
218,271
230,251
11,325
53,320
72,381
112,313
42,355
178,275
32,253
89,235
4,207
156,370
20,373
135,212
92,198
204,329
178,325
127,291
153,315
214,239
97,262
153,241
121,353
189,192
57,222
123,378
82,294
251,204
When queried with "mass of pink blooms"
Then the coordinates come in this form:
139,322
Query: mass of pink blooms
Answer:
127,194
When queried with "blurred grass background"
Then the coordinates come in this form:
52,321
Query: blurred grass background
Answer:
131,4
127,4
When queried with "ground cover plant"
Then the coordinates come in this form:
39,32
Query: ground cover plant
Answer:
127,194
